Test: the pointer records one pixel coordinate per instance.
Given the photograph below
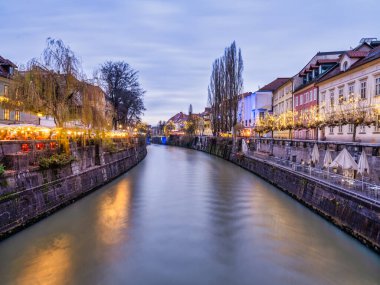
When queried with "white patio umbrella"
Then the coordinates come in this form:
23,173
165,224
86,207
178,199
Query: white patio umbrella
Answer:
344,160
244,147
363,166
327,160
315,154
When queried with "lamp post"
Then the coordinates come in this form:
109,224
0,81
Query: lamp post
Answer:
39,115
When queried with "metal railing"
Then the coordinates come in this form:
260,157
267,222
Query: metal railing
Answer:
360,187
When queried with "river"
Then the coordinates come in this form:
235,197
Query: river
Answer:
185,217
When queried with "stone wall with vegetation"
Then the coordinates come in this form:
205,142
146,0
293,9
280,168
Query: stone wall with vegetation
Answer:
356,215
27,196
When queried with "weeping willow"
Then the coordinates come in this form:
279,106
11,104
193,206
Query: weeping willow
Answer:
53,86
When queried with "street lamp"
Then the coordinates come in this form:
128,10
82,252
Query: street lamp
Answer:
39,115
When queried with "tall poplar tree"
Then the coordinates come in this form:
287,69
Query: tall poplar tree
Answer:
226,83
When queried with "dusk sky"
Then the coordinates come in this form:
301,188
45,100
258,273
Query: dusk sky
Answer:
173,43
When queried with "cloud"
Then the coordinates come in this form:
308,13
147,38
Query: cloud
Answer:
173,43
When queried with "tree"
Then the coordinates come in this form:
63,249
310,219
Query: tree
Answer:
190,127
123,90
226,83
352,111
160,126
53,86
169,127
357,112
142,127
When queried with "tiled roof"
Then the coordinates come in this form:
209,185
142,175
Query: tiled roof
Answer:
354,53
275,84
322,61
179,117
245,94
4,67
374,54
6,62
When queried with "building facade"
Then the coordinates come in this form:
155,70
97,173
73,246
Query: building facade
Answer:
7,116
350,96
305,93
282,104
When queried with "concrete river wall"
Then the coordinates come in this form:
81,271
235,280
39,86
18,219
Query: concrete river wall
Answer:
26,197
356,215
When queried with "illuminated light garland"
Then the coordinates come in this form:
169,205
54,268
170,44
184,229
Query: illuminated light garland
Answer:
30,132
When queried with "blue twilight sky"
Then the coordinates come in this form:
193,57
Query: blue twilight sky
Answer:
174,42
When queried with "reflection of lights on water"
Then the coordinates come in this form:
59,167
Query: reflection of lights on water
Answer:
113,214
48,265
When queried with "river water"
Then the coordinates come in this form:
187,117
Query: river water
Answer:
185,217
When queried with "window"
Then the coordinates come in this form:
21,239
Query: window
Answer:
307,97
377,124
377,86
363,89
351,89
296,101
345,66
301,99
332,99
261,115
315,94
323,96
331,130
362,129
340,95
350,128
17,115
340,129
6,114
6,90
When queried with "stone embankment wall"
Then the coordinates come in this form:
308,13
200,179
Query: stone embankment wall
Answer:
28,196
356,215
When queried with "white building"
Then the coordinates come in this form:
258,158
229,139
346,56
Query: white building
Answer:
352,89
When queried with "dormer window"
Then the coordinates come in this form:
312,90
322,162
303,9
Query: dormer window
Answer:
345,66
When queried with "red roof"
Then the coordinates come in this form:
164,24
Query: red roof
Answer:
322,61
372,55
354,53
179,117
275,84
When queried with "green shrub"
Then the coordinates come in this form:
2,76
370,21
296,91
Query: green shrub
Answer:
109,146
2,169
55,161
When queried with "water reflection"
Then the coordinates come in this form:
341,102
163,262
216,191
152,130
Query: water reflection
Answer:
113,214
184,217
47,264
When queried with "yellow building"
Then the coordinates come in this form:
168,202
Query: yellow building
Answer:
282,103
7,116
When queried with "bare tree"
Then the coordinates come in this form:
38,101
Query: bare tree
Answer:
123,90
226,83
